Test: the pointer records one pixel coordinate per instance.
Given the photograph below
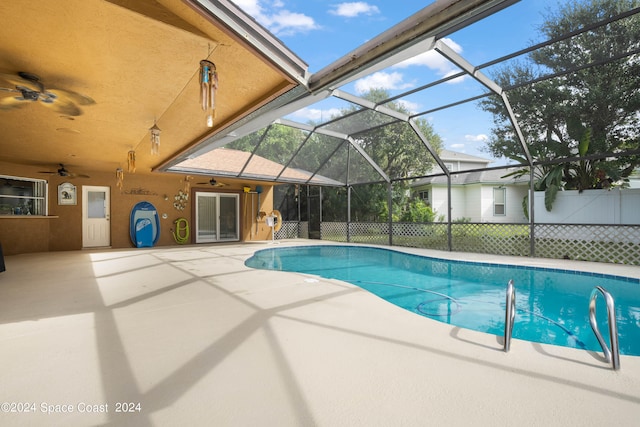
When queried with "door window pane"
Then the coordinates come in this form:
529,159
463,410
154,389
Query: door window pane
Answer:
96,204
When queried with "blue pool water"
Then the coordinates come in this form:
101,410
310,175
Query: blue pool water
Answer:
552,306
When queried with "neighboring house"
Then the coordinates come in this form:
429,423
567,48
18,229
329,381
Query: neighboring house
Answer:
480,196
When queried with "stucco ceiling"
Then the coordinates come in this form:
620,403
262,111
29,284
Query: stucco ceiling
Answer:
139,62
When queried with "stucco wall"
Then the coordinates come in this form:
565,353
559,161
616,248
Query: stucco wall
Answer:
62,229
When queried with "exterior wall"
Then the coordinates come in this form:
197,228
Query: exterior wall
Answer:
458,203
513,205
591,207
476,203
439,201
62,229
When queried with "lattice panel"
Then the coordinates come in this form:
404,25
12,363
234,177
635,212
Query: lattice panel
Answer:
370,232
602,243
289,230
491,238
334,231
431,236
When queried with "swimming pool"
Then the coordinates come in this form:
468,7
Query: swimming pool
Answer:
552,305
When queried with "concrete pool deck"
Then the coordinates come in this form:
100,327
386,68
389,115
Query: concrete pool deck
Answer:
190,336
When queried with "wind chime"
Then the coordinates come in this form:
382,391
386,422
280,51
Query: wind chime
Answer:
119,178
155,139
208,87
131,161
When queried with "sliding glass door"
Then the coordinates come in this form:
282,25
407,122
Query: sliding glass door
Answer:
217,217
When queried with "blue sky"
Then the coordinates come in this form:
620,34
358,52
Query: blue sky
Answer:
320,32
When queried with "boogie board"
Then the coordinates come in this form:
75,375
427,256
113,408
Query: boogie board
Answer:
144,225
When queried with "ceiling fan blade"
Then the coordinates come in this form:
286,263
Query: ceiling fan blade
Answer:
15,80
62,106
11,103
72,96
10,90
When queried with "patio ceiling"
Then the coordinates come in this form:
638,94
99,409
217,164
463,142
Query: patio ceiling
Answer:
139,62
332,150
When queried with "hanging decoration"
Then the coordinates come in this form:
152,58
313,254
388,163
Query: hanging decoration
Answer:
155,139
119,178
182,198
208,87
131,161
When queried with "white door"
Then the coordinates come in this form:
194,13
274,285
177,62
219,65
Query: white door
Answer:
217,217
96,230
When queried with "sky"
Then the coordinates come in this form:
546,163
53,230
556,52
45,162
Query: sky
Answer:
320,32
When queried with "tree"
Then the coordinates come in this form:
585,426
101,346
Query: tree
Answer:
392,145
586,112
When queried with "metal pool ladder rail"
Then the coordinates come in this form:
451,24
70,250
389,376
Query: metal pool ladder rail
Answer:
611,355
510,315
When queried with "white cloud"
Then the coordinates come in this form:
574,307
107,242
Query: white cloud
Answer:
286,23
315,114
251,7
353,9
481,137
457,146
433,60
411,107
381,80
276,18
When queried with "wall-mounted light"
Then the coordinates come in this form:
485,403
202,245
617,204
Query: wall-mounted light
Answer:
155,139
208,87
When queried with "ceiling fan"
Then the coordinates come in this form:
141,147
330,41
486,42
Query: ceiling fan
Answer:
213,183
30,88
63,172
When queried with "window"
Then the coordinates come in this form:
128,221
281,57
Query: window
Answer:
499,197
22,196
424,196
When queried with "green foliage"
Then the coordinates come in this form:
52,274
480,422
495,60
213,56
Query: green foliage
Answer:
589,111
393,145
418,211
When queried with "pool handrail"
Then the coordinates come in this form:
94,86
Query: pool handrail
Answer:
510,315
611,355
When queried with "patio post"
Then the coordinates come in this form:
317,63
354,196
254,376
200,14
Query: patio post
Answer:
449,244
348,213
390,209
532,225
